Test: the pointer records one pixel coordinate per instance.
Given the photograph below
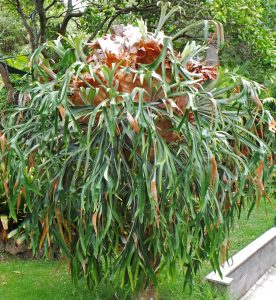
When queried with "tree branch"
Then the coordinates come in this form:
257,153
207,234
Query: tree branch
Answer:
23,16
112,20
29,28
50,5
66,20
68,16
93,35
119,12
56,17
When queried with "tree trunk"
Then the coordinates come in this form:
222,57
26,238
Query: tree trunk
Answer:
42,20
33,41
6,79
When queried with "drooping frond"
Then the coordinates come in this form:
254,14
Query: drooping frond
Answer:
133,156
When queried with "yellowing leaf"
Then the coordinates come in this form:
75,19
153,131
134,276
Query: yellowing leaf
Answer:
214,171
94,222
258,180
45,230
155,197
59,221
5,221
272,126
133,122
3,142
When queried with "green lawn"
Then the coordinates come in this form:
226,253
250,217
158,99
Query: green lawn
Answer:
38,280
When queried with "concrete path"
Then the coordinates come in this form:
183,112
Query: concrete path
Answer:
265,287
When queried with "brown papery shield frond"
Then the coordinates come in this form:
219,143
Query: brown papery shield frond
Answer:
126,47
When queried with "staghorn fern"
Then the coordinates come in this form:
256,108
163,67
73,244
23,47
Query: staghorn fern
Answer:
132,158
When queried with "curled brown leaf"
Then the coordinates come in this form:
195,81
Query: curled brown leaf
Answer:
214,171
133,123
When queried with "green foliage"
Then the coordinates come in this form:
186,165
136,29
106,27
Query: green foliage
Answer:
12,34
255,26
20,62
4,208
250,30
19,82
3,97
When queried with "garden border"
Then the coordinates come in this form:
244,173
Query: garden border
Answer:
242,271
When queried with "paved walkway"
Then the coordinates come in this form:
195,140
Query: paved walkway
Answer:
264,288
